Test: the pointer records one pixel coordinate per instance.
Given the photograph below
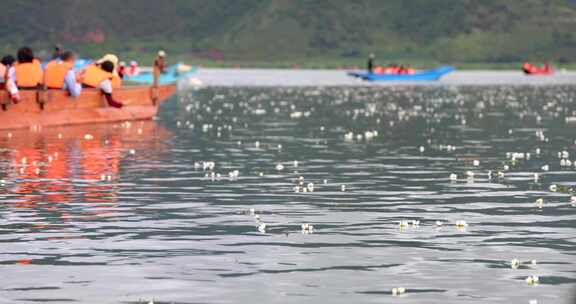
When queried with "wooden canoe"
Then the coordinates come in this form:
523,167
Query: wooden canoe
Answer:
56,108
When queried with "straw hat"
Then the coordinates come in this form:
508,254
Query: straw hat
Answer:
109,57
161,53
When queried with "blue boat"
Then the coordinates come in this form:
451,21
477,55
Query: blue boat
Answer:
172,74
427,75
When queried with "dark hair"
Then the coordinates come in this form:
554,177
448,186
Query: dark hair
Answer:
8,60
67,55
107,66
25,54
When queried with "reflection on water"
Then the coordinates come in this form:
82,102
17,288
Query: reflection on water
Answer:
207,205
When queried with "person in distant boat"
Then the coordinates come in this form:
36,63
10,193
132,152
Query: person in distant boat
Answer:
59,74
159,66
100,76
370,63
391,69
7,83
57,52
122,71
28,72
134,70
410,70
116,79
527,68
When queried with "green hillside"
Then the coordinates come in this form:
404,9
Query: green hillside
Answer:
303,32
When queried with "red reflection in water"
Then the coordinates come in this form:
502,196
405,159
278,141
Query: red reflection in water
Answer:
53,167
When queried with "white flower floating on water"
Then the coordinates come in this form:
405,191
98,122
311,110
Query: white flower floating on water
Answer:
407,223
307,228
515,263
349,136
461,224
573,200
262,228
453,177
396,291
343,188
553,188
540,202
532,280
536,177
234,174
476,163
422,149
545,168
310,187
279,167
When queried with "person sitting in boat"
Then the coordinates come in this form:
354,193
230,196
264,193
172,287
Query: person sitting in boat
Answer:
57,52
159,66
133,70
122,71
28,72
391,69
116,79
406,70
59,74
528,68
100,76
7,83
5,64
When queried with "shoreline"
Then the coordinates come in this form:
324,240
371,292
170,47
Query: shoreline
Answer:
261,77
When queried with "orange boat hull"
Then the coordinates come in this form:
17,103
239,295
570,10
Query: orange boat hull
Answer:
56,108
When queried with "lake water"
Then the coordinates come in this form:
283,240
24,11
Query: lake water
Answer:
171,210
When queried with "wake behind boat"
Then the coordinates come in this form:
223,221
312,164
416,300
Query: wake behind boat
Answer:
426,75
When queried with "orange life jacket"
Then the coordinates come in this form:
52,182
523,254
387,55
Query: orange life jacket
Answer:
55,73
94,75
29,74
116,81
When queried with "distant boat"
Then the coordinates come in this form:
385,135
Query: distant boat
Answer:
56,108
427,75
172,74
532,70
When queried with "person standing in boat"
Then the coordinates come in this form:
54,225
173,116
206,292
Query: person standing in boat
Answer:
57,52
100,76
370,64
7,83
159,66
59,74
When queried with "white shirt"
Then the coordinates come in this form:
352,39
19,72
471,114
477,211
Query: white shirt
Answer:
106,86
